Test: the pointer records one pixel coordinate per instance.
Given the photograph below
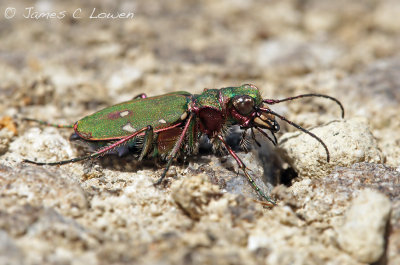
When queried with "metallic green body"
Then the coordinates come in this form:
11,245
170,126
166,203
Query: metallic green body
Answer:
227,93
208,99
123,119
161,112
219,98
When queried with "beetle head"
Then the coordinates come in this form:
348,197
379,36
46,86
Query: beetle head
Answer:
247,114
249,110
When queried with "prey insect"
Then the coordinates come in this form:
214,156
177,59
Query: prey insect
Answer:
171,125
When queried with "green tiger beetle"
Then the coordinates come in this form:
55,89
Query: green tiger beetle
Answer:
172,124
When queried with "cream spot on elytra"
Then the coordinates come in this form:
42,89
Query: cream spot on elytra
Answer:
184,115
128,127
124,113
162,121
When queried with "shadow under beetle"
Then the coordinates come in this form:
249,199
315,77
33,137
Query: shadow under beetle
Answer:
172,124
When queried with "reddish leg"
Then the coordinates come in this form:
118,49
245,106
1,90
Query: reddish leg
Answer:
98,153
244,168
175,149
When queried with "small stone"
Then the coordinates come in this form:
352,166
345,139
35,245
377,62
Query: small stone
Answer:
193,194
348,142
362,234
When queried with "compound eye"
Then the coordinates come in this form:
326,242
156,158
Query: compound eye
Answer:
243,104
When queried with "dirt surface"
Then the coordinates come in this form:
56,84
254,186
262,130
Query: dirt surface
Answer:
63,60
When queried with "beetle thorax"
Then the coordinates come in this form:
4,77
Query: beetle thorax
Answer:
211,121
209,112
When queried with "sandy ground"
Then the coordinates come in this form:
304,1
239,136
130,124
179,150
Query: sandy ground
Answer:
63,60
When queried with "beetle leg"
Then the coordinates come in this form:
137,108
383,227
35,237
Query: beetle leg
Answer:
273,141
244,168
100,152
49,124
253,136
142,95
147,142
175,149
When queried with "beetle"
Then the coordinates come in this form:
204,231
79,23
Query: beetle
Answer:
172,124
